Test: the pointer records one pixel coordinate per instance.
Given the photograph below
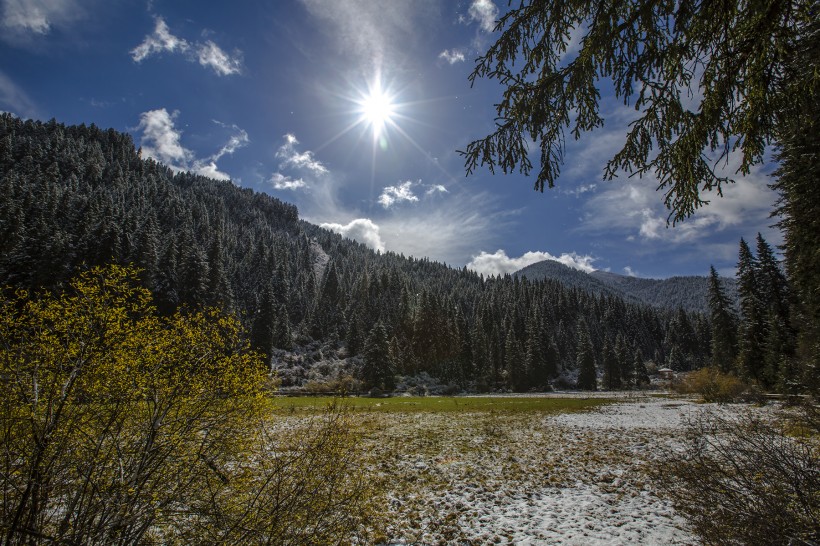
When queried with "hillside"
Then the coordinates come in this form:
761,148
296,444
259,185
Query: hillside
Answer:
689,293
77,196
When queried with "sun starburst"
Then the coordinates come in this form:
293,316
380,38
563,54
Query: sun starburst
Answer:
376,108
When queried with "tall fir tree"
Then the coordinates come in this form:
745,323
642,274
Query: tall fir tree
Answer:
585,359
611,369
724,326
263,329
778,340
751,332
377,367
798,154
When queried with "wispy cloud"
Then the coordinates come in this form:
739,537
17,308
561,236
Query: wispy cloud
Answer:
484,12
160,41
14,99
280,181
211,56
162,141
450,230
238,140
394,194
38,17
499,263
208,54
452,56
375,32
363,230
630,272
580,189
403,192
291,158
635,209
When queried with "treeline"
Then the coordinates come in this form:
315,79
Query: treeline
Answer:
759,344
76,197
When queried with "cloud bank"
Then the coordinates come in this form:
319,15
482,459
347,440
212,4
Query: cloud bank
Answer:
499,263
363,230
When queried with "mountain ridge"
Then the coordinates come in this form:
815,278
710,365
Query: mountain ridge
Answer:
80,196
690,292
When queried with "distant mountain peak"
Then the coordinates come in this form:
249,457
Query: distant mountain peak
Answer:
689,292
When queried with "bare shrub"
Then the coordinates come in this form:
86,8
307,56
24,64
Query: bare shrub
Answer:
302,484
746,480
714,386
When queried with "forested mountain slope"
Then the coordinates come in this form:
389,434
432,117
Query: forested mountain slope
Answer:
77,196
690,293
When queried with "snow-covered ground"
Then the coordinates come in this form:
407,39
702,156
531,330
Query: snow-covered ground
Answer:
523,479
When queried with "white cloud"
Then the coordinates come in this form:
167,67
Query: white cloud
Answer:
37,16
161,140
636,209
236,141
581,189
208,55
360,229
12,97
630,272
485,13
209,169
161,40
296,160
394,194
499,263
452,56
436,188
281,182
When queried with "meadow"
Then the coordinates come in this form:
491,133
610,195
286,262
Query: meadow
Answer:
510,469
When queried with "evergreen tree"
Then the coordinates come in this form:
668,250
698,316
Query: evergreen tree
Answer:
778,340
282,334
377,368
641,374
612,372
724,326
623,357
773,287
750,350
653,52
799,206
676,359
514,363
263,331
354,335
585,360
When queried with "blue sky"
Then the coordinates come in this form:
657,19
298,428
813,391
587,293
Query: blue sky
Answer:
353,110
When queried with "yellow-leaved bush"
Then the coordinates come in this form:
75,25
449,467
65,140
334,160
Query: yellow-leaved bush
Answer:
120,426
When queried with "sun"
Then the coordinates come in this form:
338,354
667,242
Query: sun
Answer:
377,109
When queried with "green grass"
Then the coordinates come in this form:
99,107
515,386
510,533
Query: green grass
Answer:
440,404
